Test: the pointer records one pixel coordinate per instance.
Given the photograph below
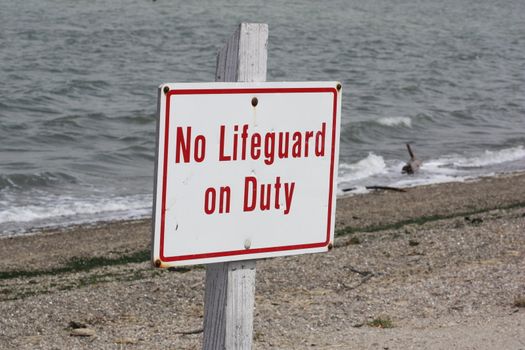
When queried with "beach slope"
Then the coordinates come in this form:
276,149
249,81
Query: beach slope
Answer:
435,267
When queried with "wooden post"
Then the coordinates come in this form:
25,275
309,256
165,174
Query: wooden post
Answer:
230,287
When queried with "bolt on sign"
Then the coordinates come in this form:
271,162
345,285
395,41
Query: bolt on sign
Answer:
245,171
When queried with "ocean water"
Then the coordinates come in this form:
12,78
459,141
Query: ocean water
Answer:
79,83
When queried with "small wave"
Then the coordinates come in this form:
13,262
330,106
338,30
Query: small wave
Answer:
492,158
395,121
56,138
137,119
67,122
369,166
65,210
28,181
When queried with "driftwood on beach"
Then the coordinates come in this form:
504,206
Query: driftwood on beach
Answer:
413,164
385,188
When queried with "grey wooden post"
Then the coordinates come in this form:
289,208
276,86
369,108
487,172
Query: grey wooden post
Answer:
230,287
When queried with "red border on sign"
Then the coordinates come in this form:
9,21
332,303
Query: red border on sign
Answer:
246,91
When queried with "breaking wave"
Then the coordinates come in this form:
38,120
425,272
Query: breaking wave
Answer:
367,167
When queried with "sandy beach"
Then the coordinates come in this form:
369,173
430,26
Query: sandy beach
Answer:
435,267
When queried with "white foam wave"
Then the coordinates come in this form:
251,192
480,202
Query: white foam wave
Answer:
440,166
374,170
395,121
426,180
489,158
369,166
66,209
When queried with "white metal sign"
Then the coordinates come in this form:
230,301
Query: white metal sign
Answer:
245,171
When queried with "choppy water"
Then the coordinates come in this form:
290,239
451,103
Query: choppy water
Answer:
79,80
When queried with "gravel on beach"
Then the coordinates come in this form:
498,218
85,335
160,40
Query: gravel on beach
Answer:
435,267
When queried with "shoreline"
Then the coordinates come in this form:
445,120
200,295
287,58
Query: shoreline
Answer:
53,228
439,261
367,212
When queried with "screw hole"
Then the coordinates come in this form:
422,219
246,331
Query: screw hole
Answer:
255,101
339,87
166,89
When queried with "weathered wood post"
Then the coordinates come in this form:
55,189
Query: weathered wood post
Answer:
230,286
